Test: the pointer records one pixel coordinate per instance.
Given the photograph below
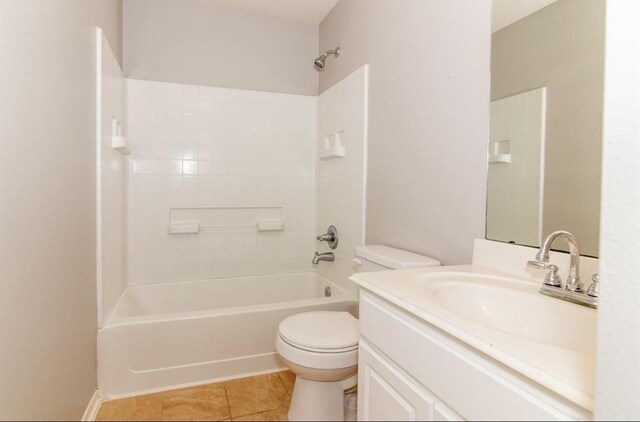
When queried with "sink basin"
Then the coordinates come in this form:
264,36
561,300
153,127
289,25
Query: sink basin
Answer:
513,307
547,340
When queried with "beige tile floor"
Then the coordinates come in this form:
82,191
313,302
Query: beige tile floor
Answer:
260,398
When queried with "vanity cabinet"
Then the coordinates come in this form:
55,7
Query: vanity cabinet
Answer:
410,370
386,393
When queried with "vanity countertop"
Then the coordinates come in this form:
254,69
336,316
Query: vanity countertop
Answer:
535,340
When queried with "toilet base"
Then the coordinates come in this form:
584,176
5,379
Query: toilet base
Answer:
318,400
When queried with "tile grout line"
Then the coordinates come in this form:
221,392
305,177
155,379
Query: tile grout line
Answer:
284,386
161,397
263,411
226,396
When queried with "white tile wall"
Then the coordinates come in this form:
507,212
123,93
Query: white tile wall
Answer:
197,146
111,189
341,181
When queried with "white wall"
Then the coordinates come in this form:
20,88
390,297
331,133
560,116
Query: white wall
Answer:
112,179
341,181
47,209
109,18
428,117
618,367
198,146
196,42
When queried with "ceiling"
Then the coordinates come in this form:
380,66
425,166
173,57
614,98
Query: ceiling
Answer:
306,11
506,12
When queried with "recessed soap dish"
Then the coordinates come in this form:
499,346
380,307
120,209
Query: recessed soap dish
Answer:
500,152
333,146
119,142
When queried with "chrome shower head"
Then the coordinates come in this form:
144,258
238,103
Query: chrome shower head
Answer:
319,61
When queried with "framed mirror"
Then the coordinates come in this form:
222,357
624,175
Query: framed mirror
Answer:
545,146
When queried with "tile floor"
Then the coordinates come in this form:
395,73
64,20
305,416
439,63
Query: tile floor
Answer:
264,397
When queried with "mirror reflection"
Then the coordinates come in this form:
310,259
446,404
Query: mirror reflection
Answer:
547,70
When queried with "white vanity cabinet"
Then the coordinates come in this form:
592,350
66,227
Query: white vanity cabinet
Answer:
411,370
386,393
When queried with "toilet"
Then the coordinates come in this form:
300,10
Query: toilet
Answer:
321,348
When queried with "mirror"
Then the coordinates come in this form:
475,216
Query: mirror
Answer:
545,143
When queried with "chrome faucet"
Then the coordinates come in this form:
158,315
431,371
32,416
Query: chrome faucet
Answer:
552,286
574,284
327,256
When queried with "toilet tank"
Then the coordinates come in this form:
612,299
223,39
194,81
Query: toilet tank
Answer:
381,257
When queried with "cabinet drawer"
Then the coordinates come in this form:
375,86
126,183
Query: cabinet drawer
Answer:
472,384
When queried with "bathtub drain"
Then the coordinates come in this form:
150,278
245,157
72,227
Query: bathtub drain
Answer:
327,291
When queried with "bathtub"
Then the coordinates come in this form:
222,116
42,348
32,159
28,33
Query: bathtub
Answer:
171,335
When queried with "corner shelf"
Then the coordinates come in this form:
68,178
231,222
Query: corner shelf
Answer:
500,159
119,142
333,146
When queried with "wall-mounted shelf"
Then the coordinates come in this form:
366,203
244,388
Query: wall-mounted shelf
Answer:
333,146
500,159
500,152
267,226
184,228
225,219
119,142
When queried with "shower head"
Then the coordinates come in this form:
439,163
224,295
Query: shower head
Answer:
319,61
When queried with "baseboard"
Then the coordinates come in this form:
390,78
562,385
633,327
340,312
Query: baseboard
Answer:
93,406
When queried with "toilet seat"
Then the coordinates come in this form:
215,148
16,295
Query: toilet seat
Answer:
319,350
328,332
316,360
320,340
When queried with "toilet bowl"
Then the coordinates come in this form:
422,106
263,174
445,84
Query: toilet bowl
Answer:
321,348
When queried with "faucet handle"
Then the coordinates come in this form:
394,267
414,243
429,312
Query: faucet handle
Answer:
552,278
331,237
538,265
594,288
327,237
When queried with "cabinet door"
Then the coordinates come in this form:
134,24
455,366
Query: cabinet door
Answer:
386,394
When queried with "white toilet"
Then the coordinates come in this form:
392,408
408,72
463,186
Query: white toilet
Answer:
321,348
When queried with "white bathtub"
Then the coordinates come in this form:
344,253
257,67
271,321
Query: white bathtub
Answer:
163,336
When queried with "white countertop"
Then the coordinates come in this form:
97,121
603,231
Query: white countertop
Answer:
569,373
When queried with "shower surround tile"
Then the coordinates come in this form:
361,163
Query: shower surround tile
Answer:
111,183
341,181
196,146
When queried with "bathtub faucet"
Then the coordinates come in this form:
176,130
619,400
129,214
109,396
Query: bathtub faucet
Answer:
327,256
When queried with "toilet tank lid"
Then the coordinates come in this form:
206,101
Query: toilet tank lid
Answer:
393,258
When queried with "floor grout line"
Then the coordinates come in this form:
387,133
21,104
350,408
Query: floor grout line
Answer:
283,386
263,411
226,396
